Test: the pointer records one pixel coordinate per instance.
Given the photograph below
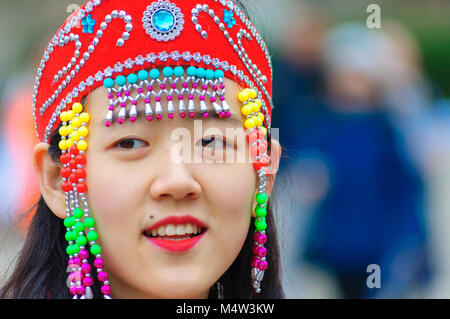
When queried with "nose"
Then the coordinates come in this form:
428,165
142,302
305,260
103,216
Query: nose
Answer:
175,180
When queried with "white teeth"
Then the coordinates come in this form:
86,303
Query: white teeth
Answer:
170,230
180,230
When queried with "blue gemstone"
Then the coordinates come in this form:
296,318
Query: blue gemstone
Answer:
163,20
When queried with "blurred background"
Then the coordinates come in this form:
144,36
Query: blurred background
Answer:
363,111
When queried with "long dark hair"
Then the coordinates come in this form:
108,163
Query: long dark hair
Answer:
41,268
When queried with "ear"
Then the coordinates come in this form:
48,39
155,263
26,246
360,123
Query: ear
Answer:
273,169
48,173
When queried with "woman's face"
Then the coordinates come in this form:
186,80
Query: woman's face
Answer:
134,181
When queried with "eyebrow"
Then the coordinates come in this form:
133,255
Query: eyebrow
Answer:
233,119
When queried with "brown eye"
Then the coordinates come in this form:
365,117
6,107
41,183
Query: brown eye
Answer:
213,142
131,143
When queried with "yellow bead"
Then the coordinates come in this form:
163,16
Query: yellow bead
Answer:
69,143
83,131
261,116
77,108
69,129
249,123
257,121
246,110
76,122
75,136
62,131
62,145
255,107
63,117
252,94
82,145
263,130
258,102
243,96
70,115
84,117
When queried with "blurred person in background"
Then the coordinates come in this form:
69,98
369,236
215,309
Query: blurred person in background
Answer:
372,211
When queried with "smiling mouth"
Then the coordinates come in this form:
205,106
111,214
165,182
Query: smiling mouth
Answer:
175,232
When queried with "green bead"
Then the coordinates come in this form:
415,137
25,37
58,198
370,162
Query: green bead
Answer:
201,72
192,71
219,74
178,71
168,72
69,222
209,74
92,236
108,83
155,74
89,222
95,249
260,212
76,248
81,241
69,236
79,227
142,75
121,80
69,250
74,235
261,198
261,225
78,213
132,78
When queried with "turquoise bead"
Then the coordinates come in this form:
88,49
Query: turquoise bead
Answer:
209,74
108,83
143,75
132,79
163,20
219,74
201,72
121,80
155,74
168,72
192,71
178,71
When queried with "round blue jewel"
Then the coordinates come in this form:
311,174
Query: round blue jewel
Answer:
143,75
108,83
163,20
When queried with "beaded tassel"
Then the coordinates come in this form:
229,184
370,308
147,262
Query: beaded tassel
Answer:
258,150
73,146
195,82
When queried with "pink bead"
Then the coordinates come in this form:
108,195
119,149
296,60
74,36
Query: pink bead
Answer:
263,265
158,99
147,101
191,97
192,114
77,260
106,290
169,98
99,263
73,290
222,114
102,276
71,261
222,98
228,114
185,85
134,102
86,268
205,87
205,115
110,96
108,124
123,104
132,119
80,290
262,251
170,115
255,249
120,121
88,281
195,85
72,277
163,86
215,87
149,118
111,108
173,85
256,236
119,94
262,239
150,88
183,115
255,261
159,117
180,97
140,90
222,86
202,98
127,93
213,99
